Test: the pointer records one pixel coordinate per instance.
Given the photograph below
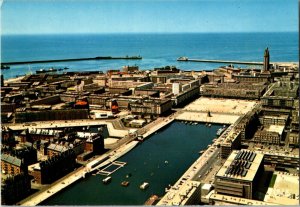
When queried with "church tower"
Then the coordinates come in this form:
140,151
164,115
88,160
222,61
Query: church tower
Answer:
266,60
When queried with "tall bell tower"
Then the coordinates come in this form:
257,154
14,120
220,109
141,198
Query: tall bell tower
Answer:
266,60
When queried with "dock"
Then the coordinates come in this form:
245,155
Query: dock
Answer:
105,171
220,61
73,59
113,156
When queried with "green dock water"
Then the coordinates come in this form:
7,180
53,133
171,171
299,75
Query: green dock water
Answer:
160,160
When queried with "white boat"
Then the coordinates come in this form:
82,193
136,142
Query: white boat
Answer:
220,131
140,138
144,185
106,180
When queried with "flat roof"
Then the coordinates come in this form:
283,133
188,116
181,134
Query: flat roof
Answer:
180,196
275,128
237,200
250,172
285,190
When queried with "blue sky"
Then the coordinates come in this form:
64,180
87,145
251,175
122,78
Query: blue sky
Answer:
147,16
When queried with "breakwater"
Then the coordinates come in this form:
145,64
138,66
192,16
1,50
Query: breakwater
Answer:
220,61
73,59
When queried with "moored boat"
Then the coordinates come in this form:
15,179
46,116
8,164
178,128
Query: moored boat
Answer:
125,183
46,71
221,130
144,185
106,180
5,67
151,200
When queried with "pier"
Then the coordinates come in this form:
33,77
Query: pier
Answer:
106,171
220,61
73,59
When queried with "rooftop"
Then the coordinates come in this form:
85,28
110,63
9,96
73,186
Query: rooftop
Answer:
241,165
275,128
181,196
11,159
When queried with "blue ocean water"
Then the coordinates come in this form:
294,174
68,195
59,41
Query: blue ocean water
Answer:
156,49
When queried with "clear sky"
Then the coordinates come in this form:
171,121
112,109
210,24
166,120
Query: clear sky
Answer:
155,16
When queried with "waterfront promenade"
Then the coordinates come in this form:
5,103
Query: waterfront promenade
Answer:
200,166
216,118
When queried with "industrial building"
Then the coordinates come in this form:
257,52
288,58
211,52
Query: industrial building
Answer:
239,174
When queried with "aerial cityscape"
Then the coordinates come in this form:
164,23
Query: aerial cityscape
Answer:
127,108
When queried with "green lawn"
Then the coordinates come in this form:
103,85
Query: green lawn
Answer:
271,185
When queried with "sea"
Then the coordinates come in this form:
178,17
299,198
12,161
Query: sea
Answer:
157,50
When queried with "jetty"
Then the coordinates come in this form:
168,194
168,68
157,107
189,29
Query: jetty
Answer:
73,59
220,61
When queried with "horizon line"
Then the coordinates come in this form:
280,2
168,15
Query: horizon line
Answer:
120,33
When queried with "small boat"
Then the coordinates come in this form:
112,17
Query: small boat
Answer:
144,185
125,183
46,71
66,68
5,67
201,152
140,138
106,180
209,125
151,200
128,175
220,131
